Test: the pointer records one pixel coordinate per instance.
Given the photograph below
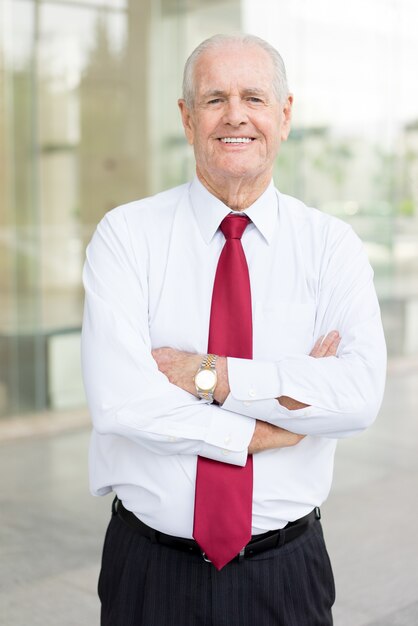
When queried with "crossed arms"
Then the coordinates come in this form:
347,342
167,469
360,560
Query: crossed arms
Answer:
180,367
130,396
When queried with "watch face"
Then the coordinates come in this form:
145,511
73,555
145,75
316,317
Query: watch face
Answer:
205,380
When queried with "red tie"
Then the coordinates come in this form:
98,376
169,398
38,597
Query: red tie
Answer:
223,502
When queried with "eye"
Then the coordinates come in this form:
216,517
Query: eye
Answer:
214,101
255,100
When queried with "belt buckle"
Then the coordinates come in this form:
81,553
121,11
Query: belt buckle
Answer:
239,556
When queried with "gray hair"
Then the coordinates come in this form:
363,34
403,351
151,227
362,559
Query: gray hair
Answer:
279,81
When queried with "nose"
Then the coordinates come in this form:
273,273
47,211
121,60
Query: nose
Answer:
235,113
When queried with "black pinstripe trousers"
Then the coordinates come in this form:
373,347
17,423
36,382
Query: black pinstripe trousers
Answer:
147,584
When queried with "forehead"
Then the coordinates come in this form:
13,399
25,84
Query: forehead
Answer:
234,65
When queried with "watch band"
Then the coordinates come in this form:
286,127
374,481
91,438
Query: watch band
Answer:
208,363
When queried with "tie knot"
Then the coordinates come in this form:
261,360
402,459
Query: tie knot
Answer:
233,226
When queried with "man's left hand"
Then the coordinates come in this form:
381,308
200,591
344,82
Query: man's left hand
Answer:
180,368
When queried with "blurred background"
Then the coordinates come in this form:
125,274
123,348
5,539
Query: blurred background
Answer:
88,121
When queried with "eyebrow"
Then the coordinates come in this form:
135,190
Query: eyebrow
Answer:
213,93
254,91
249,91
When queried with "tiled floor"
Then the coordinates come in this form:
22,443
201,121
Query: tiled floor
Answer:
51,529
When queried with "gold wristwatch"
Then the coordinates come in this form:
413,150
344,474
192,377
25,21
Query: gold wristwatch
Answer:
206,378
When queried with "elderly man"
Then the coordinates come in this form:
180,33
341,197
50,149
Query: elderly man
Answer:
231,335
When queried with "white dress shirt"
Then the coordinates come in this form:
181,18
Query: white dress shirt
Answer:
148,278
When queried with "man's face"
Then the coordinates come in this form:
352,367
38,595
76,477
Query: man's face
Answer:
236,124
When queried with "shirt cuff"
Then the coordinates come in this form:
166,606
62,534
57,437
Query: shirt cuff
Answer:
268,411
228,437
259,409
253,380
281,411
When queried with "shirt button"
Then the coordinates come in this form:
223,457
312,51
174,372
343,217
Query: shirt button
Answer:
227,440
251,393
225,452
172,439
246,403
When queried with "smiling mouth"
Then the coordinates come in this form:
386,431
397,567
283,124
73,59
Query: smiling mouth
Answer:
236,140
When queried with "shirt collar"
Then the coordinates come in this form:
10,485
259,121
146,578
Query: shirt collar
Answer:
210,211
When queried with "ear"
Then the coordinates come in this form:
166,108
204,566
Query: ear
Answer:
186,118
286,118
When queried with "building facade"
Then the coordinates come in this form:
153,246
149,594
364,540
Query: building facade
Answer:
88,121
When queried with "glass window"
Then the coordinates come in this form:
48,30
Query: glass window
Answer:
353,150
88,121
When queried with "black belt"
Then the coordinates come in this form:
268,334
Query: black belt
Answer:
257,544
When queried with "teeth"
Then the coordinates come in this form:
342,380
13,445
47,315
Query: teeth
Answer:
236,139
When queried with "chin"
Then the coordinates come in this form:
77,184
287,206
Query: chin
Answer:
240,172
236,169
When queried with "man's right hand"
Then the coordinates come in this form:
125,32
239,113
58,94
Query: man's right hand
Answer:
324,347
266,436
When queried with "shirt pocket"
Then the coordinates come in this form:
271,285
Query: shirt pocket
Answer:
286,329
